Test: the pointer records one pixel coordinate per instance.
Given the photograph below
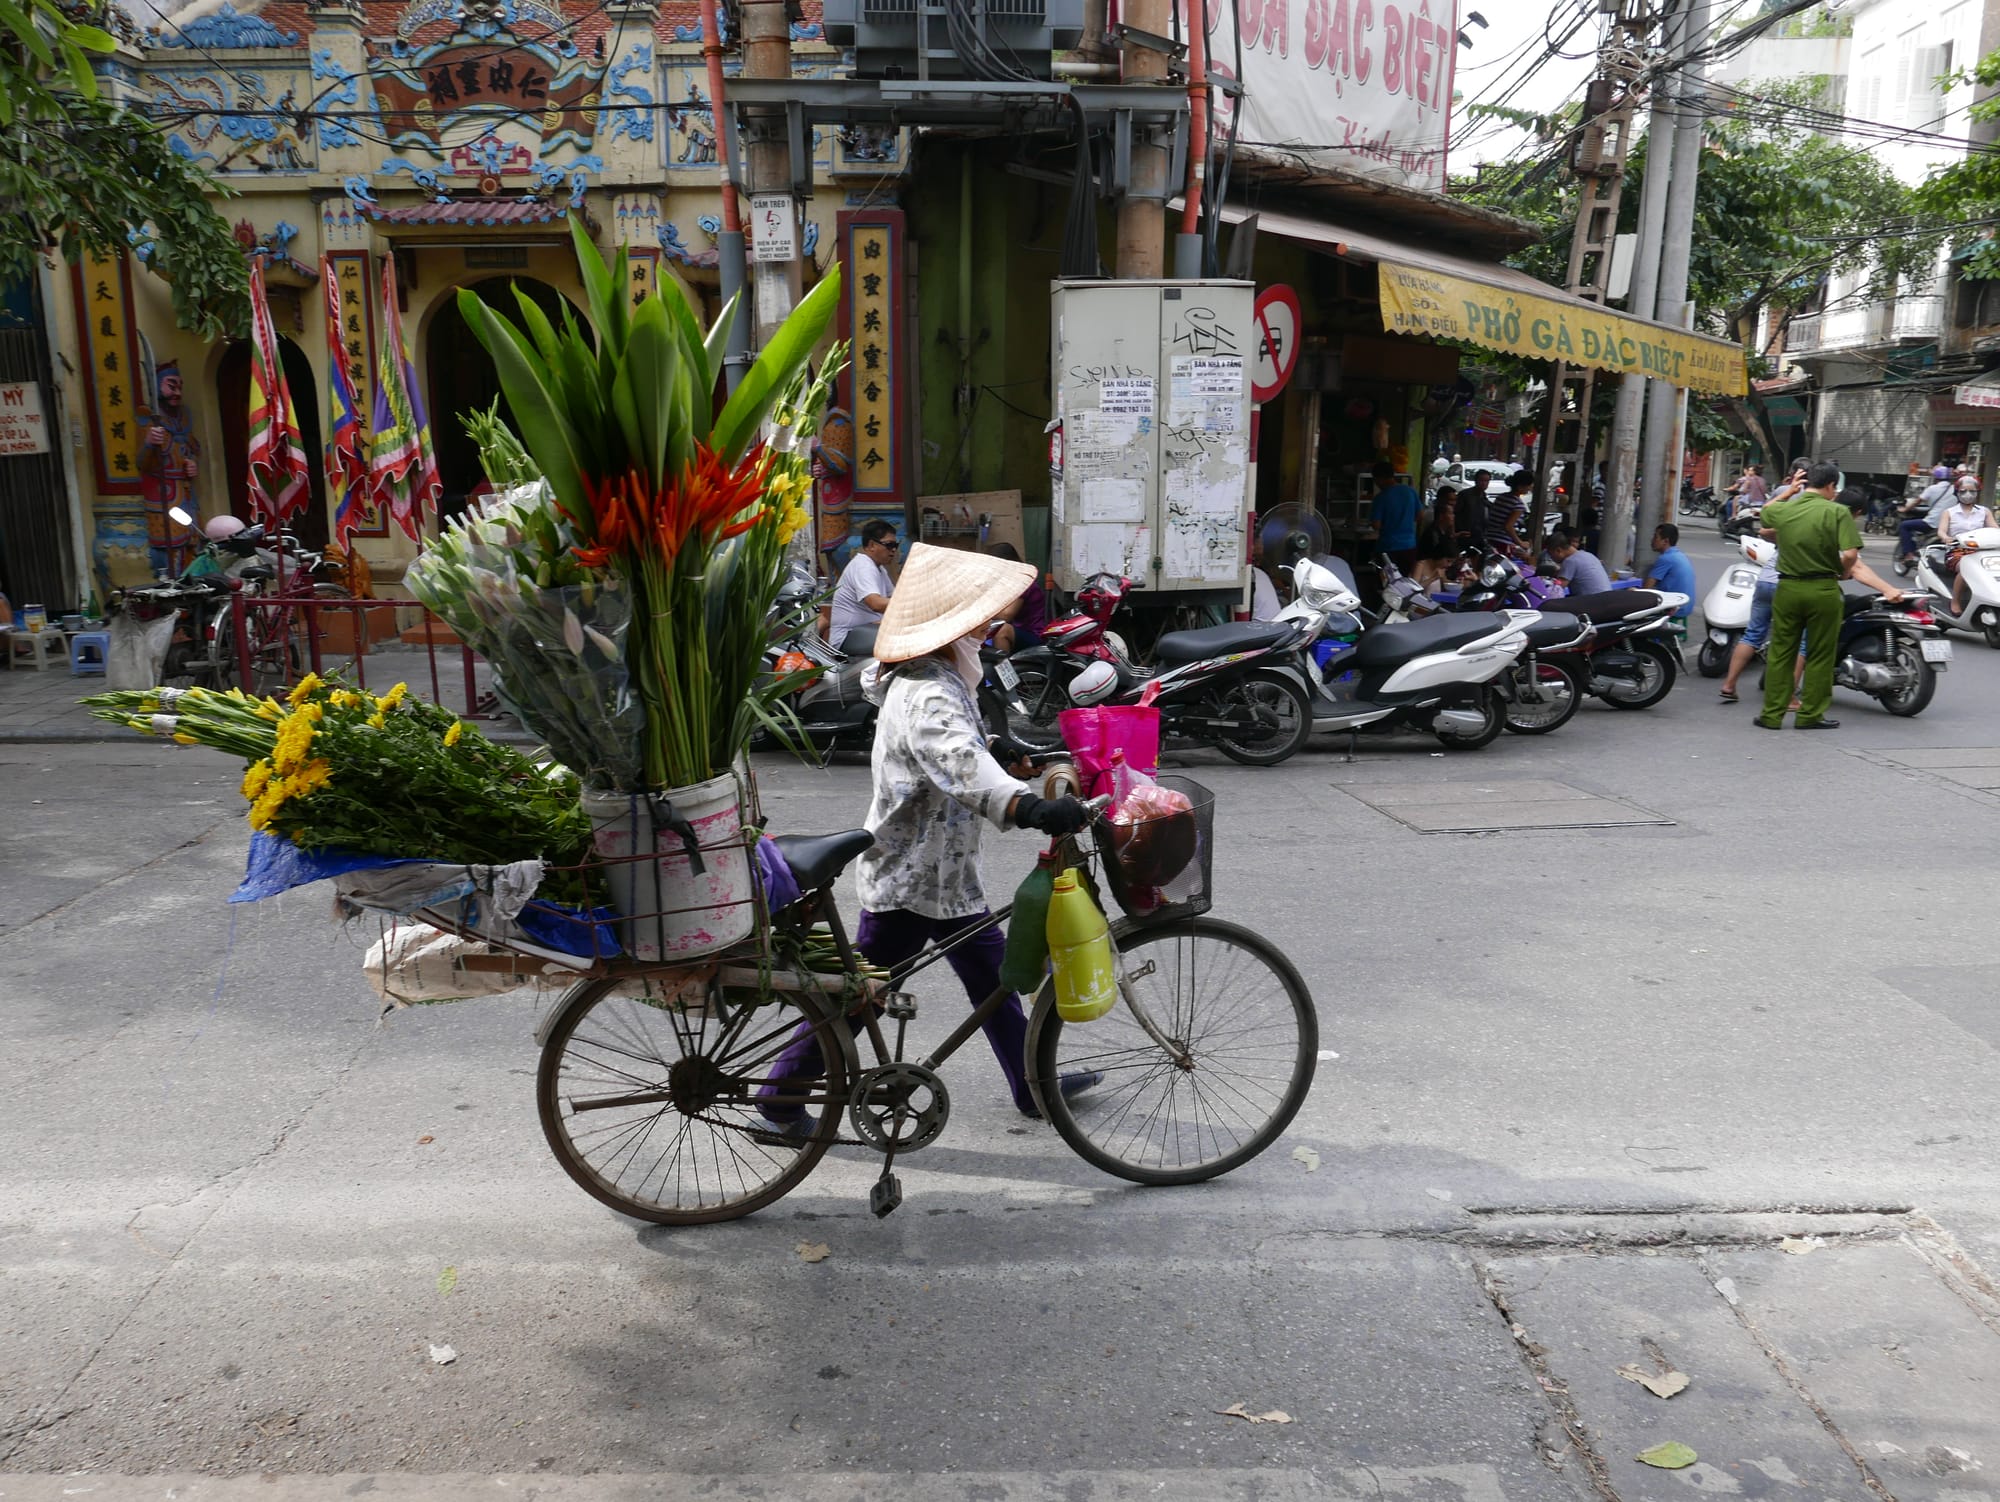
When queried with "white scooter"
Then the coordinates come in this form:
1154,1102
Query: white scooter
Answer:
1725,610
1978,554
1434,674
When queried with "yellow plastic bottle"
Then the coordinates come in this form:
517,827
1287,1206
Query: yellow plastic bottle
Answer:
1080,953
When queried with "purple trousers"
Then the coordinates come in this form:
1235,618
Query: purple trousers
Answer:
889,939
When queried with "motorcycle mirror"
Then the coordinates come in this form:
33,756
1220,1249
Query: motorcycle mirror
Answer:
180,516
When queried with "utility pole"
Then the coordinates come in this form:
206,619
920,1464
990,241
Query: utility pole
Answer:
1665,404
1143,49
1622,459
767,53
1598,160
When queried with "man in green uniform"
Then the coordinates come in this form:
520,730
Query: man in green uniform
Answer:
1818,546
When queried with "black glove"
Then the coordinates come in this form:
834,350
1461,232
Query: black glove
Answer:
1007,751
1055,816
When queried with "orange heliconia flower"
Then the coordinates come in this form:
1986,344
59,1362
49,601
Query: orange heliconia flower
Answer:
709,503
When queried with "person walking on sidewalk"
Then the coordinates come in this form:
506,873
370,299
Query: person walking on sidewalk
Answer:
1818,546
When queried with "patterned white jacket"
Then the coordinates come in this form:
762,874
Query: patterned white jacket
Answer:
934,782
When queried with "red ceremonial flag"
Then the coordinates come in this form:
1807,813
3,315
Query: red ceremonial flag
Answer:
346,449
279,476
402,470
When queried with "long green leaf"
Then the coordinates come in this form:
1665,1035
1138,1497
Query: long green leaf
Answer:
687,333
607,303
545,431
27,33
538,326
716,346
780,361
652,369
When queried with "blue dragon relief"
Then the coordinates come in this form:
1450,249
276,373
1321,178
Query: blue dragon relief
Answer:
333,135
216,129
424,177
634,120
577,172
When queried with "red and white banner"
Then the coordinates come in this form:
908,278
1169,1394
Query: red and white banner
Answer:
1359,84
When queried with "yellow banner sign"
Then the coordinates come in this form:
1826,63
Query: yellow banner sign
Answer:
1416,301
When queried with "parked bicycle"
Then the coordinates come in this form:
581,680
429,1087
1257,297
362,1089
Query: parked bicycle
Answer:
653,1083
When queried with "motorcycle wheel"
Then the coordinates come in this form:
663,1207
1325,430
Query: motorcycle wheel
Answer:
1713,660
1562,697
1915,696
1656,680
1281,702
1989,625
1042,700
1494,707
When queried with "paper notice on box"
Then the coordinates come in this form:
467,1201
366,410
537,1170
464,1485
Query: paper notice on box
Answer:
1125,395
1109,549
1114,501
1206,392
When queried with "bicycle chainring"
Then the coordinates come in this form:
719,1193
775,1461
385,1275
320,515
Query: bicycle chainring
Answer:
898,1107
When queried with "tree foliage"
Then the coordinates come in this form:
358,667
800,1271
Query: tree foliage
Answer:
79,172
1966,193
1780,211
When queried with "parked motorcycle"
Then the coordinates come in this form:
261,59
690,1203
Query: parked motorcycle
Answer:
1699,502
1436,674
200,654
1725,609
1635,657
1890,652
1545,687
1977,555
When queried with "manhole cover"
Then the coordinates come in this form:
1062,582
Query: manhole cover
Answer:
1481,807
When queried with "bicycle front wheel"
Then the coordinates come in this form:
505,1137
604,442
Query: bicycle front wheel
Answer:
656,1111
1242,1042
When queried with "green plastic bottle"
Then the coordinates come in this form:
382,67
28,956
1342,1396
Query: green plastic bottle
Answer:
1080,953
1027,960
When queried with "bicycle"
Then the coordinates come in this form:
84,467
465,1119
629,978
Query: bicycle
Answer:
648,1084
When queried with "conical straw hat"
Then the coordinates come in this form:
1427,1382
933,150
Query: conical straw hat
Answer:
943,594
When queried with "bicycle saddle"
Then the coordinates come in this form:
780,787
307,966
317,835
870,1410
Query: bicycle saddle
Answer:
256,573
816,859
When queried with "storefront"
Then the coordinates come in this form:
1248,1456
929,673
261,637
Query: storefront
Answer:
1380,373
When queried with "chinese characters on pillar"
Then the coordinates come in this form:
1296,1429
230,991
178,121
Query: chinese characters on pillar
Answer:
114,383
872,265
642,273
357,322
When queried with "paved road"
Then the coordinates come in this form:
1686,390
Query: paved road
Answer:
1587,1082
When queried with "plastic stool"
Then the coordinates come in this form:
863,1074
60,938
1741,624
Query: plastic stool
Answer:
37,648
88,651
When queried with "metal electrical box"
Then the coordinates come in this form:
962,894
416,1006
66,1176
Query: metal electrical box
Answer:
1151,474
887,35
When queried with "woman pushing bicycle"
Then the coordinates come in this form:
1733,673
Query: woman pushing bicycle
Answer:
934,781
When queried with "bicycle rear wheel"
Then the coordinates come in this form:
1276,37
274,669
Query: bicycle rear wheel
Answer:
1236,1008
653,1109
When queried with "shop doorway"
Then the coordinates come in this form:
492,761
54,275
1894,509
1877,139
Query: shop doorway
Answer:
232,389
463,380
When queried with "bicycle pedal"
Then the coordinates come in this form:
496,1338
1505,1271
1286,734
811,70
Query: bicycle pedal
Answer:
886,1195
901,1006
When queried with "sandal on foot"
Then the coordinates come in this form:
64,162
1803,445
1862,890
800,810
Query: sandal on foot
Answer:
1728,695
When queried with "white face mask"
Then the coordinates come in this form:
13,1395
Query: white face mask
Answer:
965,657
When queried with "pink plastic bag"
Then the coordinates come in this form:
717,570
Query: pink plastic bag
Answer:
1093,734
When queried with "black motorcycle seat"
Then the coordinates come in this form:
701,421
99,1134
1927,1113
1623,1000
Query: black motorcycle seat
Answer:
1556,631
859,641
1178,647
1397,643
816,859
1605,605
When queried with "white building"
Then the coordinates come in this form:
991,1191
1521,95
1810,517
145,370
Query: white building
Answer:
1870,355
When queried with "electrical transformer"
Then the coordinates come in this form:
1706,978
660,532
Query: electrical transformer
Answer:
1150,464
